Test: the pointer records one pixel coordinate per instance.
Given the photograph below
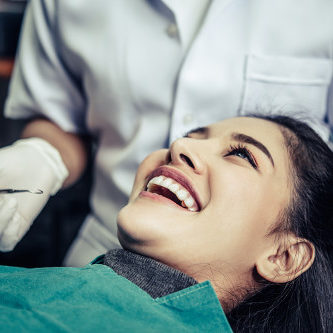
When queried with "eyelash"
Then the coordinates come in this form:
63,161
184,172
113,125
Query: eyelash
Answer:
243,150
237,149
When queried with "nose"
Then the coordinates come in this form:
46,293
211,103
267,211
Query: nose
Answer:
187,152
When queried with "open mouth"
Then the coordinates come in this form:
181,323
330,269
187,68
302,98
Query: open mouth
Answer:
172,190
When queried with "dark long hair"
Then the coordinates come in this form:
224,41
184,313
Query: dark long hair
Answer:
306,303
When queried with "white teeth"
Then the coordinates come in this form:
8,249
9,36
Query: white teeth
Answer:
173,187
166,182
158,180
189,202
182,194
149,185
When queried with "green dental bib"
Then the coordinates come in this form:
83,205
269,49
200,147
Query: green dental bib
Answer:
95,298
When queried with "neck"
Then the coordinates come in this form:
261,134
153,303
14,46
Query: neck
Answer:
231,289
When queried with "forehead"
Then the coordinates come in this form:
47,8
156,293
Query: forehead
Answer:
258,128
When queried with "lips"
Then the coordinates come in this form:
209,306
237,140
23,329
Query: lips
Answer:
192,202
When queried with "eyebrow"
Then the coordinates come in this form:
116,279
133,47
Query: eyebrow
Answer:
199,130
248,139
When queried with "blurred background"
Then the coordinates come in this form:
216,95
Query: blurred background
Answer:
51,234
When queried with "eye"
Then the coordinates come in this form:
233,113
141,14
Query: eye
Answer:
242,152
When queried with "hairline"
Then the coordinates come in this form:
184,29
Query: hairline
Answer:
282,223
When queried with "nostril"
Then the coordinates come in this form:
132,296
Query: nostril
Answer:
187,160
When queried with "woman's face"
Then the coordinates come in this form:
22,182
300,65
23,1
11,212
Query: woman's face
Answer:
232,178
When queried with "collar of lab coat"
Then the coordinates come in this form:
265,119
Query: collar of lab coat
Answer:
188,16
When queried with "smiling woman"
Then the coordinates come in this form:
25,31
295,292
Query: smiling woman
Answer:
246,204
238,214
235,195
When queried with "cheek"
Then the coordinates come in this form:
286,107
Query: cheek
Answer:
233,188
243,203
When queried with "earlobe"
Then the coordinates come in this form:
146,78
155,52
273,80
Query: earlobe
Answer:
288,260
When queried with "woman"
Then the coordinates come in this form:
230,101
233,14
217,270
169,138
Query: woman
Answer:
245,203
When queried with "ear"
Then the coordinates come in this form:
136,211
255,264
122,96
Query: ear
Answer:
286,260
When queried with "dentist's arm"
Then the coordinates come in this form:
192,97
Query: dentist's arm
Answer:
71,147
46,158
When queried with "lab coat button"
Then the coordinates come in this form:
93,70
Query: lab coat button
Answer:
172,30
187,119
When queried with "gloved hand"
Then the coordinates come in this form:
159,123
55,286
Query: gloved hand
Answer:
31,164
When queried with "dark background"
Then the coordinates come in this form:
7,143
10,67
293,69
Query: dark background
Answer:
49,237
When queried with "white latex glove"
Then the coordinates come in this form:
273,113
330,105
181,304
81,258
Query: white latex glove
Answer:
31,164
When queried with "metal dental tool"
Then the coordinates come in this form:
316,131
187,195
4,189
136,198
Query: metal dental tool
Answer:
11,190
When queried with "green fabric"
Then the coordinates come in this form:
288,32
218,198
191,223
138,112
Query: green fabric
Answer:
95,298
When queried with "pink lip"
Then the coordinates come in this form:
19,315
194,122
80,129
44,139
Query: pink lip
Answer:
178,177
160,198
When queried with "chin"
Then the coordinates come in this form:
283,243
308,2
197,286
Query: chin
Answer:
124,228
131,242
141,232
134,228
144,223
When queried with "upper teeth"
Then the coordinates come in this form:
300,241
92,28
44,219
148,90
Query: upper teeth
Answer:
182,194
